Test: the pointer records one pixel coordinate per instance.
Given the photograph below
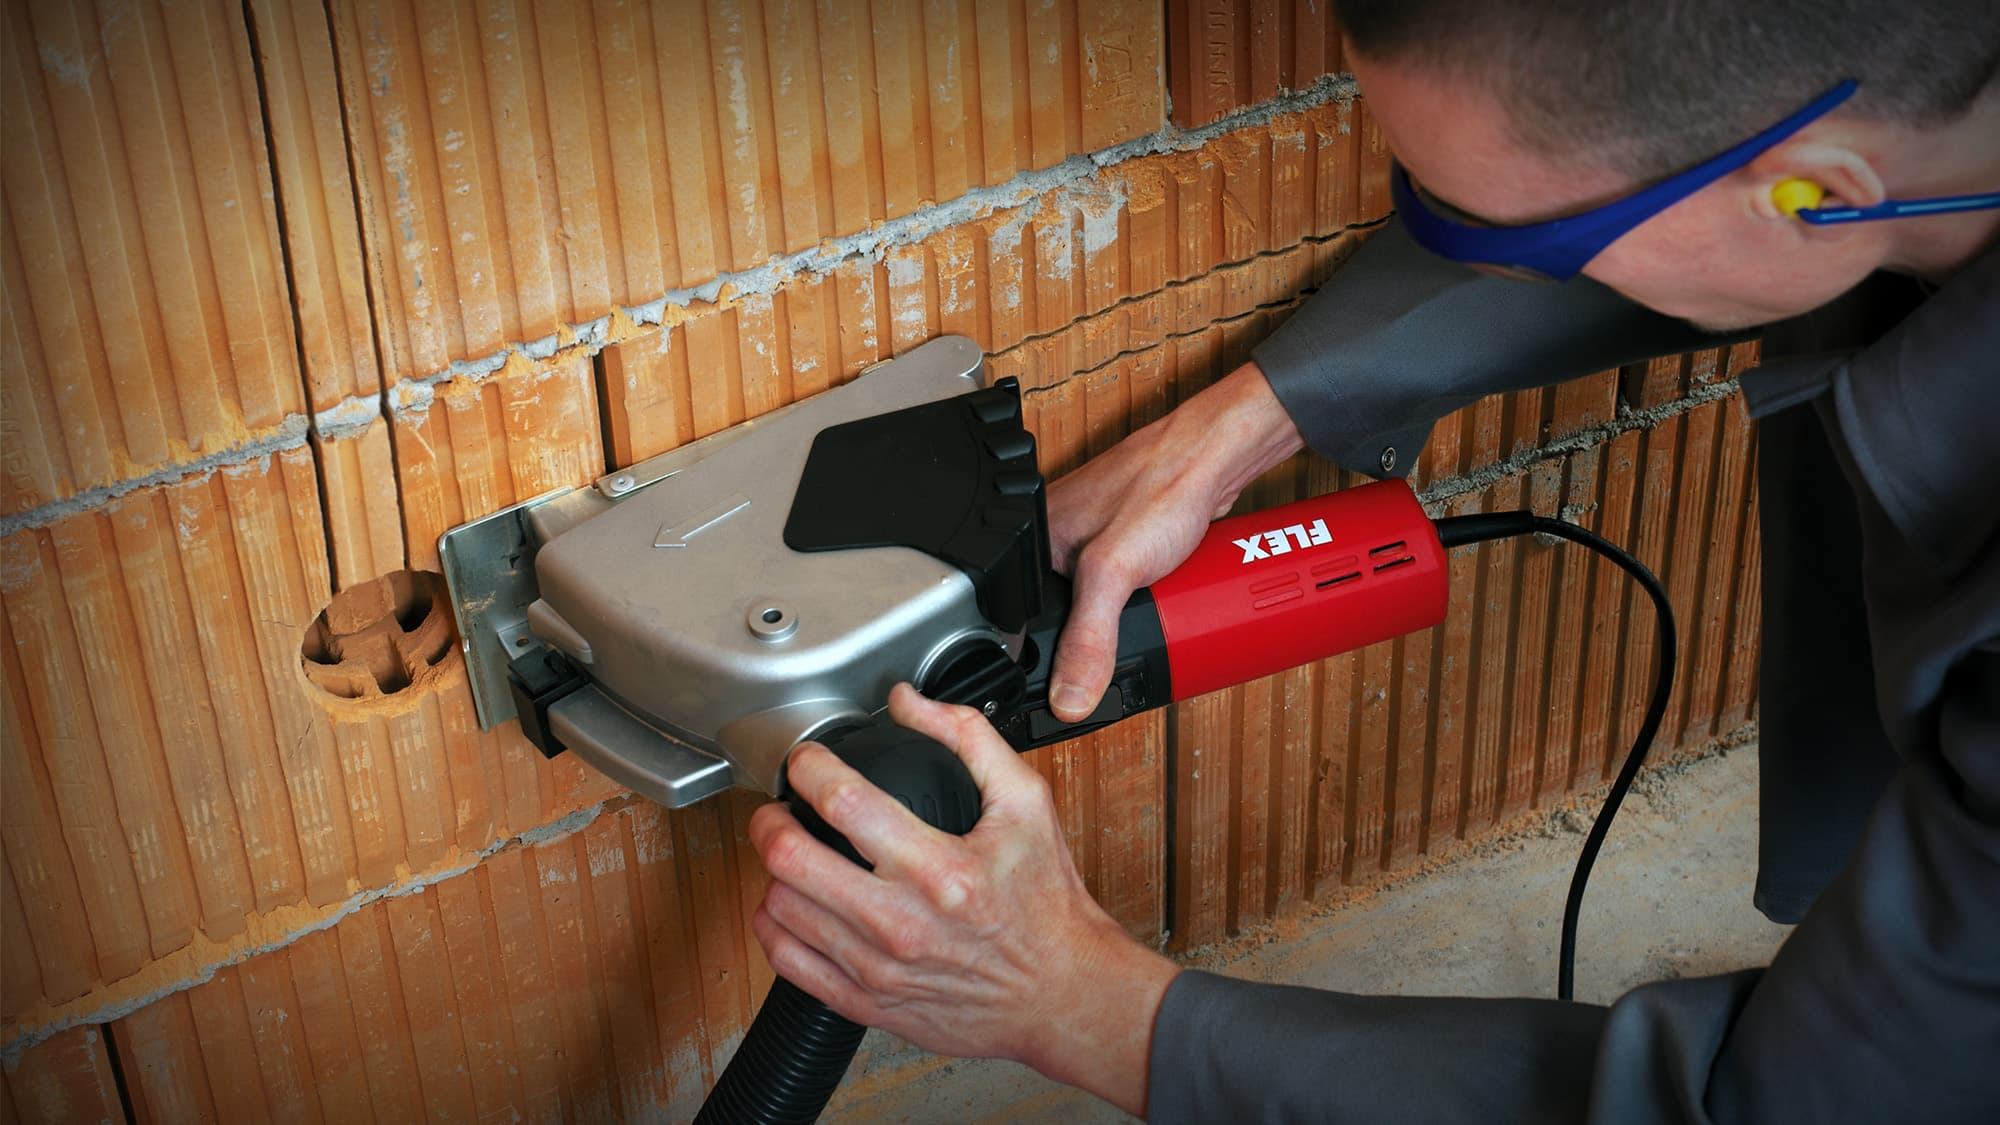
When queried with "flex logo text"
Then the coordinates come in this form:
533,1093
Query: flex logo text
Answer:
1279,542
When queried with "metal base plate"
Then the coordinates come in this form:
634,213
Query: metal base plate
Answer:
489,565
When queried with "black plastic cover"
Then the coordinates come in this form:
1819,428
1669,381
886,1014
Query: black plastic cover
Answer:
1141,678
537,680
955,479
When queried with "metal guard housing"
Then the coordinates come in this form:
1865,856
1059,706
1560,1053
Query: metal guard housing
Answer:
707,647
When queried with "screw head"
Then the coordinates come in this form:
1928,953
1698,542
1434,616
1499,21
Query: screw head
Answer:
1388,458
621,482
991,709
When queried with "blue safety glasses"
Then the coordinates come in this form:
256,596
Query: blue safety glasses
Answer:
1558,250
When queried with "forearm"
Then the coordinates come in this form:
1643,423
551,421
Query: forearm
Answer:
1398,338
1232,431
1228,1050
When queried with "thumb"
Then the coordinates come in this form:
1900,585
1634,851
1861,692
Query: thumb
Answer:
1088,647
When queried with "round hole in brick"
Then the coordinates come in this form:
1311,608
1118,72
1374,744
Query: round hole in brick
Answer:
381,637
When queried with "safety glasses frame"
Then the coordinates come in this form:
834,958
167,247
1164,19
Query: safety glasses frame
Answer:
1559,249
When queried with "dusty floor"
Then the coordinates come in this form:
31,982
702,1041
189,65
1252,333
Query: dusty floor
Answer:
1670,898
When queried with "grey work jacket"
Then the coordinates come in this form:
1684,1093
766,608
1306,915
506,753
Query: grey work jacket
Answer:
1884,1005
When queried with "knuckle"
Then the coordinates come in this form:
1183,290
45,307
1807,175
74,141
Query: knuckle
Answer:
878,975
958,897
785,854
958,714
1088,652
967,723
948,884
1083,632
844,801
785,959
904,943
1103,558
781,903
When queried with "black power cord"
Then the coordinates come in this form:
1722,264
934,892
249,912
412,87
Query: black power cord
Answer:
1458,531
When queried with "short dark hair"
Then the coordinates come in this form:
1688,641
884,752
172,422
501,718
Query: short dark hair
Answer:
1647,87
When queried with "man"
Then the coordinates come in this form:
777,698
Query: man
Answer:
1689,148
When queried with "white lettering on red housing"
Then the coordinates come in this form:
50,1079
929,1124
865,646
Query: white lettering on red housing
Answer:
1280,541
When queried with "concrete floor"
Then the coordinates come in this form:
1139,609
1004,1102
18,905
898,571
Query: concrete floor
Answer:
1670,897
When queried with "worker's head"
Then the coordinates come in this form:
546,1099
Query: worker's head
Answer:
1514,112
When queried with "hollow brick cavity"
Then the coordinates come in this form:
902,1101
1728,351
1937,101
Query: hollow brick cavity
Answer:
380,637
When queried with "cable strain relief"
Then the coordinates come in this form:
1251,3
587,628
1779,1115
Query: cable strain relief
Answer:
1458,531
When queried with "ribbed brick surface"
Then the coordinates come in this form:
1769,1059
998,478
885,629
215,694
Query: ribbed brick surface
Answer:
1061,283
528,167
145,318
169,770
309,146
596,977
1224,54
261,900
68,1078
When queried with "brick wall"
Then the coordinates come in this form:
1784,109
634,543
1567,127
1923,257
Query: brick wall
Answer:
291,289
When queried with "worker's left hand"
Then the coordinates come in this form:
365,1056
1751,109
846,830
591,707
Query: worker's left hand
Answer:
984,945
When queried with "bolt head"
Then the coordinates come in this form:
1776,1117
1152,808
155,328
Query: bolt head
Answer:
1388,458
771,620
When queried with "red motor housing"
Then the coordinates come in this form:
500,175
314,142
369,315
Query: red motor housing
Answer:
1286,586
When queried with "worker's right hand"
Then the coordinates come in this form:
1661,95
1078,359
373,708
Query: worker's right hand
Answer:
1128,517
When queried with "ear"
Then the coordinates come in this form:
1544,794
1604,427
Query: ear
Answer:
1848,178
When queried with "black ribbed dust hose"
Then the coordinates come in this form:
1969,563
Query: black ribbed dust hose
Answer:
798,1049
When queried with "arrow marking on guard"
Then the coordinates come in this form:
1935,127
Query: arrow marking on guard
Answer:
677,536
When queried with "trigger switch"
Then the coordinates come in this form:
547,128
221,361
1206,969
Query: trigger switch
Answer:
1043,726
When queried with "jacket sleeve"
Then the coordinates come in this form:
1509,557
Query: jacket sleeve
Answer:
1398,338
1884,1005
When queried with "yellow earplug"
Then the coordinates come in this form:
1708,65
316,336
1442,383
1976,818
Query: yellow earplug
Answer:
1794,195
